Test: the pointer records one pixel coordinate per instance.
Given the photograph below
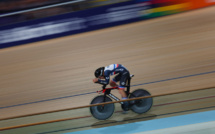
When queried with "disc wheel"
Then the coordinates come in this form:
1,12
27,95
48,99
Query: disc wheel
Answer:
142,105
102,112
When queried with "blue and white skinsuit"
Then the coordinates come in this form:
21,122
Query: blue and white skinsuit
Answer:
123,75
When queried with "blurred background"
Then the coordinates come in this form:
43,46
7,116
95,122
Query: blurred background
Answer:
82,15
49,51
44,8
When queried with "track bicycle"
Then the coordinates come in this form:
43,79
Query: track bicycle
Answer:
103,112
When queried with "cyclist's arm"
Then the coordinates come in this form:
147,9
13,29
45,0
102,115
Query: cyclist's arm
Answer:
106,76
106,81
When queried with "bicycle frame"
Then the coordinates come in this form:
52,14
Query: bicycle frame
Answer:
107,91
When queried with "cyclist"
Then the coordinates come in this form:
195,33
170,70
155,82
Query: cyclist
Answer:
103,74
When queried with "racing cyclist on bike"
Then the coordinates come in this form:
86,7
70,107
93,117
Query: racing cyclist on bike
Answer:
103,74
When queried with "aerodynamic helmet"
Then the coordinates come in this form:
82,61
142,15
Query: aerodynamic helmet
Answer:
99,72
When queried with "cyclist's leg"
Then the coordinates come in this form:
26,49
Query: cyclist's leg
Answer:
113,82
123,81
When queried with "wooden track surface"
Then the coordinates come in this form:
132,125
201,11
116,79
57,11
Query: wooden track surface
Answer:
168,54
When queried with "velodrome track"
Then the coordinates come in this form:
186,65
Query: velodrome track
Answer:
166,55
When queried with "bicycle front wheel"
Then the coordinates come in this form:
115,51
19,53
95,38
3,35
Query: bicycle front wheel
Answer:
102,112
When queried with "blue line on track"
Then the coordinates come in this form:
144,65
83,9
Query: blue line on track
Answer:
46,100
186,76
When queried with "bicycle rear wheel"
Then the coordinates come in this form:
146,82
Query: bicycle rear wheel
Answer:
142,105
102,112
